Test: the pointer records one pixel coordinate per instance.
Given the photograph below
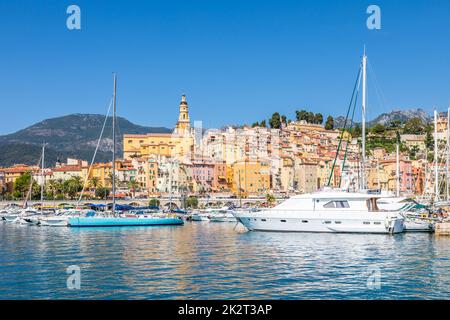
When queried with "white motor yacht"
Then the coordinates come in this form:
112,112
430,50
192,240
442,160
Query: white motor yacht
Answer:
325,211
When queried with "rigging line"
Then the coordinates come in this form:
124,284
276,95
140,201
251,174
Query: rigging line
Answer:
30,188
349,131
345,125
95,152
378,89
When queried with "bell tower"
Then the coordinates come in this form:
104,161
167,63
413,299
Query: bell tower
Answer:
183,124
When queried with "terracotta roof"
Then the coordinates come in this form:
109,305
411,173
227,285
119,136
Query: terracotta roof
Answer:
67,168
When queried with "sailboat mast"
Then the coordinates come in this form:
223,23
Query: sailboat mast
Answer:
398,168
42,176
436,172
363,164
447,163
114,148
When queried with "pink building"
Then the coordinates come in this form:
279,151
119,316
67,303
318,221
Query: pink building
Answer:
203,174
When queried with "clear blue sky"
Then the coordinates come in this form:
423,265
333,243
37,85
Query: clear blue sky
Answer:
237,61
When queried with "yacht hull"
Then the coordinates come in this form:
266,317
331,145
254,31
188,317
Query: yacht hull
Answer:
320,223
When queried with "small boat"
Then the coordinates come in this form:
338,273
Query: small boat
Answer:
10,217
222,216
54,221
198,216
418,225
411,210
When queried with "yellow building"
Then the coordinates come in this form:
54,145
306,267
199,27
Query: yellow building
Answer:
177,144
102,172
250,178
147,174
11,174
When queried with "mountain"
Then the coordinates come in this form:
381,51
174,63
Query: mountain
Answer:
74,135
339,122
387,118
401,115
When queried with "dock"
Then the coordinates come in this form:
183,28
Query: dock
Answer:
442,229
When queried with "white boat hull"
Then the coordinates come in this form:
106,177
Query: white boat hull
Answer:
54,221
222,219
317,222
418,226
198,217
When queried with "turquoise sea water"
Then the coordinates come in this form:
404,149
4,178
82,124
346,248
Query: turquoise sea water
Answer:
203,260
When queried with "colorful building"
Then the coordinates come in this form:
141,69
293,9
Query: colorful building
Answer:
251,178
177,144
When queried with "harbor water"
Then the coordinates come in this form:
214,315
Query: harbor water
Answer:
203,260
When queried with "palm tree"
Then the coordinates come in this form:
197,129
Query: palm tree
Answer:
270,198
133,185
94,183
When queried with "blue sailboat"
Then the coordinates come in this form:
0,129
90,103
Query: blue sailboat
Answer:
117,221
122,221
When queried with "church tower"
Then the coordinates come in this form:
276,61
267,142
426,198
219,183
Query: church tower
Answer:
183,124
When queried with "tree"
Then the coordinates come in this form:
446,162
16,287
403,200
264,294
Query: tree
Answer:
72,186
310,117
153,202
414,126
357,131
284,120
329,124
301,115
429,140
318,118
95,183
192,202
270,198
263,124
378,129
395,124
255,124
133,185
102,193
275,121
413,152
109,179
22,185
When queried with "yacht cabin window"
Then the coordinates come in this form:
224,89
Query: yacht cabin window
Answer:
372,204
337,204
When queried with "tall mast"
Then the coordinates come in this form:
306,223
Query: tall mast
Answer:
42,176
114,147
436,172
447,163
398,167
363,164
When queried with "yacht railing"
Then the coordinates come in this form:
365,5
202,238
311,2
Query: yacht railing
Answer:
325,210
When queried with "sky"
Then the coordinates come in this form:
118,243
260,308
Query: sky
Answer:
237,61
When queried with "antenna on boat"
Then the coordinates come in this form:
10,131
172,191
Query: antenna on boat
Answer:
363,163
114,147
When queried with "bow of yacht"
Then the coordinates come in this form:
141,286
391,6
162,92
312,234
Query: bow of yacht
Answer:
325,211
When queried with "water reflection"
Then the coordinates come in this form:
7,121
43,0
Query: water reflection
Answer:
202,260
